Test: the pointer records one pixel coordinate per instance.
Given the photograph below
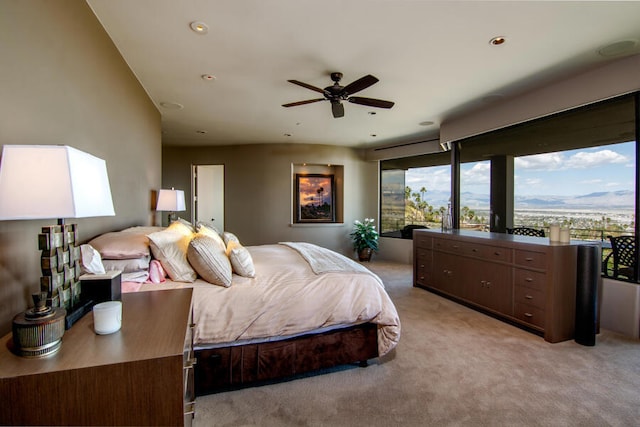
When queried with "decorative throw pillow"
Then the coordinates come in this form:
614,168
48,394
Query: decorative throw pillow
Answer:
170,248
213,233
209,260
229,237
241,260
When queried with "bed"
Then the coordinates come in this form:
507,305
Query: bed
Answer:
306,308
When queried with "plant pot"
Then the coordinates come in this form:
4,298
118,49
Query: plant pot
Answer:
365,254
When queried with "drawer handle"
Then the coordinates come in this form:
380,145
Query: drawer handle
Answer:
421,277
529,279
528,315
421,265
496,253
455,246
474,250
528,258
190,408
528,297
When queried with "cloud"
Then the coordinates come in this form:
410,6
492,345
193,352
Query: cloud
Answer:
540,162
478,174
579,160
588,160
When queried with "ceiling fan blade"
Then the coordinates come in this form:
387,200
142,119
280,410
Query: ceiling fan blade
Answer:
371,102
358,85
337,109
306,85
308,101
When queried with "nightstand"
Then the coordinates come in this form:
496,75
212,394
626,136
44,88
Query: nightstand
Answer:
140,375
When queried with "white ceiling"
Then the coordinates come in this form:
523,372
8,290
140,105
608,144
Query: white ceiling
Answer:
433,59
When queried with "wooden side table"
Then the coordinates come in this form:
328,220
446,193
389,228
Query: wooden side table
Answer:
140,375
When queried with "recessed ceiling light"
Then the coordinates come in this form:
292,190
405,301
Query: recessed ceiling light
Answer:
287,134
426,123
171,105
618,48
199,27
497,41
201,132
372,113
373,135
208,77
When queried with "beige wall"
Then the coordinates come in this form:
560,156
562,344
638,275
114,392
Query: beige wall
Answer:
258,189
63,82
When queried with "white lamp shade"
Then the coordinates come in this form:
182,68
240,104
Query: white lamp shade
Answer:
52,181
171,200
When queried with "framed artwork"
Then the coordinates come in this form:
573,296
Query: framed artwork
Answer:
315,198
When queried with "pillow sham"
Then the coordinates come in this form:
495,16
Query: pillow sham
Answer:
241,260
170,248
119,245
209,260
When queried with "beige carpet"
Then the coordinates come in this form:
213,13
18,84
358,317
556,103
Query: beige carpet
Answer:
453,366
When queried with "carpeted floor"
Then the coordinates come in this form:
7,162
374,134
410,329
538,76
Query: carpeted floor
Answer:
453,366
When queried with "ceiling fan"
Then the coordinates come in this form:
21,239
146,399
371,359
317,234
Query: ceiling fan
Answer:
336,94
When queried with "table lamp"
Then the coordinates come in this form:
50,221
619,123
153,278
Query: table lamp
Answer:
171,201
44,182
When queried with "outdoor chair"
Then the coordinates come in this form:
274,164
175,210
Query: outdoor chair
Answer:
526,231
623,252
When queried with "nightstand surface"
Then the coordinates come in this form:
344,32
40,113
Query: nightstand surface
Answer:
133,369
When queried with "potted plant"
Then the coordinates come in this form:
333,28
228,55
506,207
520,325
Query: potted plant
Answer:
365,238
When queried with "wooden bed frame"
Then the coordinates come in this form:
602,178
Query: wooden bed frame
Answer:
233,367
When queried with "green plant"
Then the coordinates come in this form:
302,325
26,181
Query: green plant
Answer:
364,235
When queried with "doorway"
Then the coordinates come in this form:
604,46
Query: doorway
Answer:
207,182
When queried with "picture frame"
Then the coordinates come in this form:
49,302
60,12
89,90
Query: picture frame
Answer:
315,198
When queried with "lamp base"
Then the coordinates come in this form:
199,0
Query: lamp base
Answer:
38,336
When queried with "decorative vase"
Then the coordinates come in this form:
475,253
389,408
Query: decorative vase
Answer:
365,254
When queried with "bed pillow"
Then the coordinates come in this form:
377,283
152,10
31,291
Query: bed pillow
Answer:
127,265
170,248
118,245
209,260
183,226
241,260
213,233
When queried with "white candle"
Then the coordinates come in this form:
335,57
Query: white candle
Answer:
554,233
564,235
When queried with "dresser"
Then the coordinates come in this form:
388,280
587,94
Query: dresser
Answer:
140,375
527,281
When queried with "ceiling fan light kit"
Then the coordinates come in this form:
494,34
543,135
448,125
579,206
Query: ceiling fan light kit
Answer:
337,93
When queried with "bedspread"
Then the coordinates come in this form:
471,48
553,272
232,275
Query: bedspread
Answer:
286,298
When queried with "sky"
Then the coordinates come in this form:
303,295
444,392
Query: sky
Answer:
567,173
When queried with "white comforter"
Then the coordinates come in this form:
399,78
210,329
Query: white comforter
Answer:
286,298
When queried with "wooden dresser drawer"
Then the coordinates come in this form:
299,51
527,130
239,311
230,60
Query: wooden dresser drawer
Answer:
449,245
495,253
422,240
529,296
530,279
529,314
531,259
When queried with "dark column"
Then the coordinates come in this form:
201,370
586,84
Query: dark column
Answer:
501,203
588,276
